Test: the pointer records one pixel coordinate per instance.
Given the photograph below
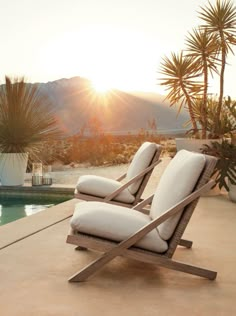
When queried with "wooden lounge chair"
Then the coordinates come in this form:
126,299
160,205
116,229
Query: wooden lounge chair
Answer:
153,237
96,188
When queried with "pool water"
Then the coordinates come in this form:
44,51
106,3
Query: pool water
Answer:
13,208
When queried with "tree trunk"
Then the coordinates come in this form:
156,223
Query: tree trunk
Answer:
190,109
204,104
223,61
195,129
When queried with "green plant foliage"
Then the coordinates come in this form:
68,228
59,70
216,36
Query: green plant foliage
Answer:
226,165
186,75
220,20
204,48
26,118
180,73
227,122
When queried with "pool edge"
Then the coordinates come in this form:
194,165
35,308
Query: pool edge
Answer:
24,227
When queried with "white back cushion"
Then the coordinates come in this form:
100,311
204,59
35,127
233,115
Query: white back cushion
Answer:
177,181
141,160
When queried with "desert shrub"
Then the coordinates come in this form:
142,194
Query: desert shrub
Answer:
97,150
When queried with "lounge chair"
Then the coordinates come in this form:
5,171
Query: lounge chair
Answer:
153,237
96,188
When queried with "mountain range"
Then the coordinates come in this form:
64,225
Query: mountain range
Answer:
76,103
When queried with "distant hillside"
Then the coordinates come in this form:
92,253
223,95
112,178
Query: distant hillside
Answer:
76,103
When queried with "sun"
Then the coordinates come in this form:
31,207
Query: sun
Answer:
101,86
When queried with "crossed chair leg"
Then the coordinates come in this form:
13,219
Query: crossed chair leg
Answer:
91,268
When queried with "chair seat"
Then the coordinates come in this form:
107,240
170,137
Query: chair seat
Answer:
115,223
101,187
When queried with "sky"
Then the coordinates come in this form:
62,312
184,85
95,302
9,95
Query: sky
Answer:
115,43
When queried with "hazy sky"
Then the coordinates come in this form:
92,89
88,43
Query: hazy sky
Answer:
113,42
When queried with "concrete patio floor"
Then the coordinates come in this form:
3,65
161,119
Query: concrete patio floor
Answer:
35,262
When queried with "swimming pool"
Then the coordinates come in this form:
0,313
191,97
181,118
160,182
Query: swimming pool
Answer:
13,208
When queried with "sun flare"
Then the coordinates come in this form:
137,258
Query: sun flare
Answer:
101,86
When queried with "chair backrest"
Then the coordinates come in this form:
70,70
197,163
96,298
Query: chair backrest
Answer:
177,182
147,154
174,241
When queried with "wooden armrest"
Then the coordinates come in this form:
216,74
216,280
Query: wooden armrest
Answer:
145,202
121,177
125,185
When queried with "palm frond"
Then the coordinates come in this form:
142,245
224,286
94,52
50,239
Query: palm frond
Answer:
204,48
179,72
221,21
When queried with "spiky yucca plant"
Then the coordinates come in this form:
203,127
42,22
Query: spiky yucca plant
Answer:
180,73
26,118
204,48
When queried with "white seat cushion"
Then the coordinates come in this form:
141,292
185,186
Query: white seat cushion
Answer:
141,160
101,187
115,223
177,182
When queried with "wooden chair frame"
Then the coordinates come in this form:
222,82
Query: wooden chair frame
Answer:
146,174
125,248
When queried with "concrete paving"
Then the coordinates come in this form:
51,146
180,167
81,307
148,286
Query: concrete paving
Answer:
35,262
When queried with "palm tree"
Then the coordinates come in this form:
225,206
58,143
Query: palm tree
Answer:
180,72
204,48
220,20
26,118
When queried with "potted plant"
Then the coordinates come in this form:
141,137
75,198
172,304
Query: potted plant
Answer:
186,75
225,169
26,122
226,127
